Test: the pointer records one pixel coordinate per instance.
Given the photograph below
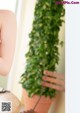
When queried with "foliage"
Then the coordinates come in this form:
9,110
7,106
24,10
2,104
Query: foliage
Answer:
43,46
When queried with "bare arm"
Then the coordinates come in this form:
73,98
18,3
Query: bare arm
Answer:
8,39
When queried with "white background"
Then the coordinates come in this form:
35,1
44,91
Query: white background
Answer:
8,4
72,58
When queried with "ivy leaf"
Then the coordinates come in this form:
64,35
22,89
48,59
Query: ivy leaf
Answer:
61,43
44,45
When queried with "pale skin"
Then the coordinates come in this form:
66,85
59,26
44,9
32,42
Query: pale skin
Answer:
8,28
57,81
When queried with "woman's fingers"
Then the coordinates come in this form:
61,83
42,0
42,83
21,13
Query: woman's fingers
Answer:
53,80
54,86
0,41
54,74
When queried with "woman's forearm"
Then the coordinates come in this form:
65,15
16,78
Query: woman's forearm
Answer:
4,67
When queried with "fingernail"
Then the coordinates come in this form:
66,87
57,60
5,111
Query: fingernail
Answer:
45,71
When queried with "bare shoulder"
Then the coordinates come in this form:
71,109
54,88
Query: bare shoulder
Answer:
7,16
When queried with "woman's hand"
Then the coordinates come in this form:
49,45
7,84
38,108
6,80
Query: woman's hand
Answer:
54,80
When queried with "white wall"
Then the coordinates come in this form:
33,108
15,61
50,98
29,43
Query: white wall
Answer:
8,4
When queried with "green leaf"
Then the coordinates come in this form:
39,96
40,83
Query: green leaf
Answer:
44,46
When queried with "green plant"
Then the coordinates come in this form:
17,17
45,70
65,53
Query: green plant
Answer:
43,46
